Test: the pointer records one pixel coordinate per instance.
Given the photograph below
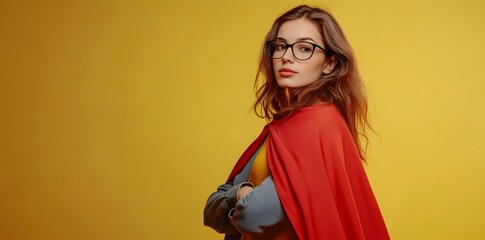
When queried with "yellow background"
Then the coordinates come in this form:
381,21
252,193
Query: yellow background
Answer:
119,118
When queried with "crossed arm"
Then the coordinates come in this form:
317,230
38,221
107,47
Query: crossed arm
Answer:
243,208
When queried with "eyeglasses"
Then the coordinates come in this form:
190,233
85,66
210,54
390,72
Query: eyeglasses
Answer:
301,50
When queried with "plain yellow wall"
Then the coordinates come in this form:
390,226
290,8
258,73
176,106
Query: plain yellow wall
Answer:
119,118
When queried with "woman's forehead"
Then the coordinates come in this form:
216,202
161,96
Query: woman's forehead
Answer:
298,30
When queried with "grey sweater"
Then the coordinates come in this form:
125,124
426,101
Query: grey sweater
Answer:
259,215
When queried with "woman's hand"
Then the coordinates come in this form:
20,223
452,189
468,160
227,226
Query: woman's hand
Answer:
243,191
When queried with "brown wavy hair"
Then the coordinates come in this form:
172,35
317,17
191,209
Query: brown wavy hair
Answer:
343,87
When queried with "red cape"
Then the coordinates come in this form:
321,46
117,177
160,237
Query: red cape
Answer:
319,176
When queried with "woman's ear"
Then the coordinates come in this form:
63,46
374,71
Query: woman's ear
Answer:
329,64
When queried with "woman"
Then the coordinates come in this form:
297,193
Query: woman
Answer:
303,177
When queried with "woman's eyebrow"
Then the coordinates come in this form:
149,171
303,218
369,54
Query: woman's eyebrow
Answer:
306,38
298,39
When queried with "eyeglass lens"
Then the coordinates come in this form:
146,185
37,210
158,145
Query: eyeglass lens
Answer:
301,50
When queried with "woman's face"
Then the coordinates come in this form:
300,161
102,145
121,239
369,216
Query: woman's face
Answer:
291,72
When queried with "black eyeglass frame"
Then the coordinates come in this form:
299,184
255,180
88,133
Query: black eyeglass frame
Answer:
271,53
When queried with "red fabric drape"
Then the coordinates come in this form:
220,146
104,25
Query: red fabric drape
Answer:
319,176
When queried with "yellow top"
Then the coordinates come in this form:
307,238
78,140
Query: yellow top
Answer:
260,169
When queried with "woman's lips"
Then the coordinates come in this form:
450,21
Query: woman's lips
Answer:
284,72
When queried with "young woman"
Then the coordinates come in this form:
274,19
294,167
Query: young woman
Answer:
303,177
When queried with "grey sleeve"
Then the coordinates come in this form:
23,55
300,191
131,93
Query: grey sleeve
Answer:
219,204
260,211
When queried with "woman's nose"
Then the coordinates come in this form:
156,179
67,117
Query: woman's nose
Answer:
288,56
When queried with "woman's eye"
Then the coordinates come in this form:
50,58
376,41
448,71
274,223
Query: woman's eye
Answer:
305,49
280,46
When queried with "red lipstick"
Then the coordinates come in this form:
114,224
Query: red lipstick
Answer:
287,72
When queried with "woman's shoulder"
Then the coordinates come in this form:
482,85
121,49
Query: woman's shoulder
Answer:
319,109
316,116
316,123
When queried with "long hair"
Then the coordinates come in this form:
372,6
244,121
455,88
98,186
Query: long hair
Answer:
342,87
